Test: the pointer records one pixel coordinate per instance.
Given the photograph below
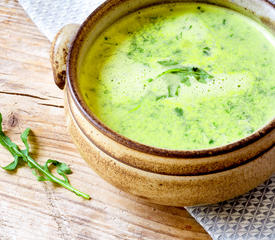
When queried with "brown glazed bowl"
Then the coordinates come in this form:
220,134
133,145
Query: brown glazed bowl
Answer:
176,178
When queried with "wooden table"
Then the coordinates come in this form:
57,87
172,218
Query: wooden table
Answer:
40,210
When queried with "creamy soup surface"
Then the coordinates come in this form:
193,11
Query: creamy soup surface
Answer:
181,76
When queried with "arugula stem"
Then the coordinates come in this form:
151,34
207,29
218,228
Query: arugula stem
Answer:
174,70
54,178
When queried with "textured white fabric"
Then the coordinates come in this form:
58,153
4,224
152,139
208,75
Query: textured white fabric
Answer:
51,15
251,216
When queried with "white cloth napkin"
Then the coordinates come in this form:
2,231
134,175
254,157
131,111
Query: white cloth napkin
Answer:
251,216
51,15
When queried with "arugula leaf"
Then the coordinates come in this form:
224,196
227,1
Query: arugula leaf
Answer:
13,165
62,168
24,138
168,62
42,173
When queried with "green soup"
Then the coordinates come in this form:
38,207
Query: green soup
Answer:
182,76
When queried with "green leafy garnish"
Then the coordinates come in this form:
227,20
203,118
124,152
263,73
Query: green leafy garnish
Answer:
161,97
179,111
168,62
211,141
185,72
43,173
206,51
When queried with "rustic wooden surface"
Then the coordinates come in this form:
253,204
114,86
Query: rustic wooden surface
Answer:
37,210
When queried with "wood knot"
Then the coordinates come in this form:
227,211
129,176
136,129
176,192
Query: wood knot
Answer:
12,120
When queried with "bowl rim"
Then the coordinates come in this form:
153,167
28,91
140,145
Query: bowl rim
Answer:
91,118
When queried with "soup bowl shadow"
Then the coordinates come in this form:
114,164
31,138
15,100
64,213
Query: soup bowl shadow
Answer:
168,177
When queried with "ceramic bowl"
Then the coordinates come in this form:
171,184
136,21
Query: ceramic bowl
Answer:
177,178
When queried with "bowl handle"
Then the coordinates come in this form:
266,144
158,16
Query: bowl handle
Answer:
59,52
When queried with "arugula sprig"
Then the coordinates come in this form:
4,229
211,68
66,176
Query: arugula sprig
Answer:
185,72
43,173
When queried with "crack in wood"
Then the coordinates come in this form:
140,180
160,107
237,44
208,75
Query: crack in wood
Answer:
33,96
23,94
51,105
55,97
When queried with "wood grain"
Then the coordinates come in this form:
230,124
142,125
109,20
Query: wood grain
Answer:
36,210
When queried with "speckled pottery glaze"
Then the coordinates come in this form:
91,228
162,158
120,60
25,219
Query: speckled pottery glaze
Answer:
176,178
